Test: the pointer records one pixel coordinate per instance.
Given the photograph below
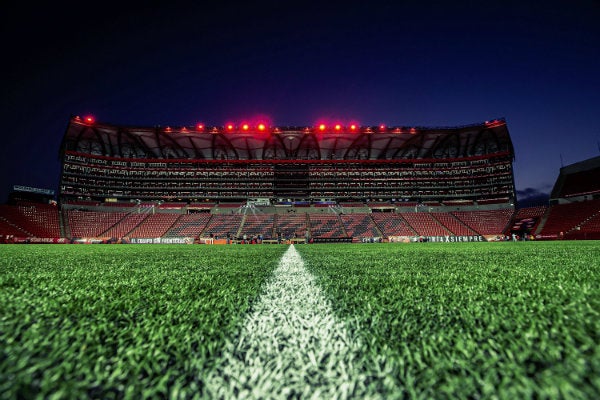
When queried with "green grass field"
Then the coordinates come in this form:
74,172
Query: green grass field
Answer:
461,320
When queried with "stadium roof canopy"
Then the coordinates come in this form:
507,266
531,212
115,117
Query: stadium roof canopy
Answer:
286,143
577,180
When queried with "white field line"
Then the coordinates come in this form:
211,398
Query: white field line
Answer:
292,346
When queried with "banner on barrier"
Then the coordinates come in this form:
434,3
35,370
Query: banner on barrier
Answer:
162,240
454,239
10,239
437,239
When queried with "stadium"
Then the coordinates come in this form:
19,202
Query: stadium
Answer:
323,183
366,273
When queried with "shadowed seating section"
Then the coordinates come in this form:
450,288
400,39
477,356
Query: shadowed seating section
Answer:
156,225
527,220
488,222
259,224
125,225
567,217
7,229
220,225
290,225
591,225
392,224
454,225
326,226
425,225
91,223
189,225
360,225
38,220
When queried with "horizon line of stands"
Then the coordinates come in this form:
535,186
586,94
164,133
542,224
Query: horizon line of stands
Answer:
350,221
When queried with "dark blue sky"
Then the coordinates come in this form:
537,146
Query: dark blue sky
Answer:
425,63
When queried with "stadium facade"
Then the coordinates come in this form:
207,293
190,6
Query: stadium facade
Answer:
124,184
310,164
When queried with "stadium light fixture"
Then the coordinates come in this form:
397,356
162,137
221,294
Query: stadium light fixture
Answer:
322,127
382,127
89,119
245,127
338,127
200,127
353,127
261,127
229,127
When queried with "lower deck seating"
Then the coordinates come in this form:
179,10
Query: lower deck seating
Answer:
526,220
576,220
565,217
291,225
326,226
125,225
591,225
360,226
392,224
258,224
189,225
91,223
452,224
156,225
221,225
38,220
425,225
7,229
488,222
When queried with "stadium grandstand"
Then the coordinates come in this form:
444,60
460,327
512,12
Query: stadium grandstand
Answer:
242,183
574,209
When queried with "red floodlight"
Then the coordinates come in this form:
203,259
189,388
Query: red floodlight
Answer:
352,127
261,127
382,127
229,127
322,127
338,127
200,127
89,119
245,127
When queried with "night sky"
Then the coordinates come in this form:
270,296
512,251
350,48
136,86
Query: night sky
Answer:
405,63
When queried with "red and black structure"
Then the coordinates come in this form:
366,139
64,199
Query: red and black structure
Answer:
236,162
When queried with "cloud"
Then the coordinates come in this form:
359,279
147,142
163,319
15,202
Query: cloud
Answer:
529,197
